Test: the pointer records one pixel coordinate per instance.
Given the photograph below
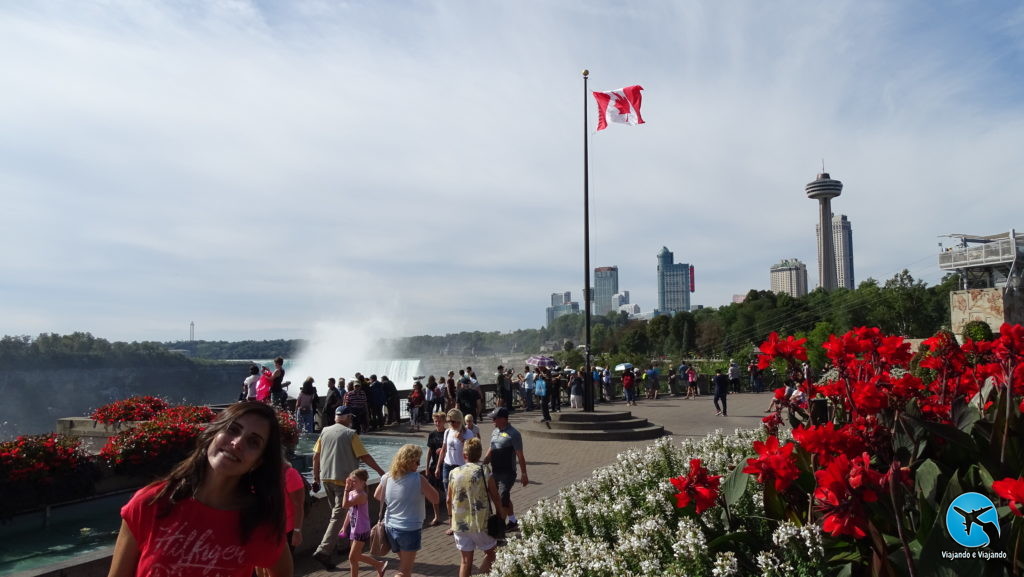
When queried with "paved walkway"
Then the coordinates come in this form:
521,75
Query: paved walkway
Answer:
553,464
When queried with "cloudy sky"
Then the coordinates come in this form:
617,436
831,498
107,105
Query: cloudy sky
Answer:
262,168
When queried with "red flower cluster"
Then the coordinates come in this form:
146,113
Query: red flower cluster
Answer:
289,428
1013,491
165,436
865,350
773,463
697,487
186,414
149,447
869,407
844,486
772,423
130,409
826,441
40,458
790,348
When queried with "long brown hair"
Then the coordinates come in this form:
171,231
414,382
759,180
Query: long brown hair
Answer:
265,482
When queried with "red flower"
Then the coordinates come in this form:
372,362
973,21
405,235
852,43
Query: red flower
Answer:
868,398
697,486
843,488
826,441
1010,344
791,349
1013,491
773,463
772,423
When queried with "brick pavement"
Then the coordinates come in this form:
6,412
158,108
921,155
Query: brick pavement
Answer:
553,464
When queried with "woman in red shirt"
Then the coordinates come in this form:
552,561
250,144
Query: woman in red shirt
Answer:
220,512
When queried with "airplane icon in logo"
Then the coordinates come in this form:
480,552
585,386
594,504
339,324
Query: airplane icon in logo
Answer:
971,519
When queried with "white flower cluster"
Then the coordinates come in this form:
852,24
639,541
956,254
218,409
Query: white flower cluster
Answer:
623,521
798,550
725,565
807,537
690,541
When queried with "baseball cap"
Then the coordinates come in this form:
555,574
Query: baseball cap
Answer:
499,413
343,410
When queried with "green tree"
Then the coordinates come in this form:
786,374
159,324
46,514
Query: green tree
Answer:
635,341
658,333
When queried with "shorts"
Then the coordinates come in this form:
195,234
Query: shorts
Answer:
474,541
505,482
404,540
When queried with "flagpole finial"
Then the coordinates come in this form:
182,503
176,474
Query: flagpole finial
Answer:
586,73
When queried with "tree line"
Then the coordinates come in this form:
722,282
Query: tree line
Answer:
81,350
901,305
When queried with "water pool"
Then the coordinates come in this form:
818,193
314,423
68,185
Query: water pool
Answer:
35,540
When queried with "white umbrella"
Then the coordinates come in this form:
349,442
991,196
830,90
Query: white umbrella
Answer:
623,366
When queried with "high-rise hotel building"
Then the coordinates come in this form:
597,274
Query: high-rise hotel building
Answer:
606,285
675,281
790,277
842,244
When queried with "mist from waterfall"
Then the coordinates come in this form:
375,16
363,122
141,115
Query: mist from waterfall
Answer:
342,350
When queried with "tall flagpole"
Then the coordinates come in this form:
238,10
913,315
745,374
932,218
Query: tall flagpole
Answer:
588,376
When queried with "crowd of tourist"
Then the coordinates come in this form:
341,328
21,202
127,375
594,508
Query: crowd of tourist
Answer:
240,497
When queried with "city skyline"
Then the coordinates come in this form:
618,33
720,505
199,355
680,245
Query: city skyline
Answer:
273,170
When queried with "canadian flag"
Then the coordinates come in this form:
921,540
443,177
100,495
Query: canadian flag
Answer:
622,105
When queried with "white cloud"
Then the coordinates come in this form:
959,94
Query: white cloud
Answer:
260,167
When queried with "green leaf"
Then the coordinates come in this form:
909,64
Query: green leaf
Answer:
735,486
852,555
966,416
773,505
984,476
733,539
845,571
952,434
927,478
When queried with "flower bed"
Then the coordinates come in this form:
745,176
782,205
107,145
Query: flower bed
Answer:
130,409
46,469
862,489
40,469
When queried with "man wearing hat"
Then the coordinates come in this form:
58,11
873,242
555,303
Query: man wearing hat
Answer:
506,449
337,453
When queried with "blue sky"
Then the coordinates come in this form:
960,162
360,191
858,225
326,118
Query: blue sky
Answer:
268,168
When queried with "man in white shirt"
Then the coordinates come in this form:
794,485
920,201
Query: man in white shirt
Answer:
528,383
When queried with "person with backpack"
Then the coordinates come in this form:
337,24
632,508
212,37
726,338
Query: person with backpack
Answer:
249,384
306,405
332,400
629,387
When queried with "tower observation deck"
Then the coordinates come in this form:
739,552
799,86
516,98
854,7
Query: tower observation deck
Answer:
824,189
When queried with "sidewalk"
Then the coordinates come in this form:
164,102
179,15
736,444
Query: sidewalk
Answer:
553,464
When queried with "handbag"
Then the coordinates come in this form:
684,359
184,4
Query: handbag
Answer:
495,524
380,545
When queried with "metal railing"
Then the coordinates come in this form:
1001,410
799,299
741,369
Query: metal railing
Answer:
1002,251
